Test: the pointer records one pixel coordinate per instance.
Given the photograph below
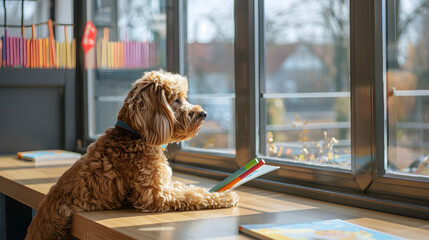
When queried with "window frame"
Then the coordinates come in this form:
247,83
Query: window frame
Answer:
176,62
413,188
367,184
292,171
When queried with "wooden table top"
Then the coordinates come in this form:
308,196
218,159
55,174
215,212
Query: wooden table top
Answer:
24,182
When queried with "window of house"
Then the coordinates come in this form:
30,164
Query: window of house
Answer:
407,86
210,72
306,90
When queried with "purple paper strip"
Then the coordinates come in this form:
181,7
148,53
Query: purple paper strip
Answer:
125,54
127,45
137,54
21,52
12,51
25,52
6,47
3,53
3,57
17,51
133,54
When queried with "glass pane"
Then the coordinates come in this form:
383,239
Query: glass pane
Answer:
35,12
407,80
210,71
130,40
307,81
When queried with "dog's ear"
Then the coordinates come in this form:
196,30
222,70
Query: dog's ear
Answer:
160,126
149,113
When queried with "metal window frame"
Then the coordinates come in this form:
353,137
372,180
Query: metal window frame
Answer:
413,188
249,68
294,172
176,62
367,184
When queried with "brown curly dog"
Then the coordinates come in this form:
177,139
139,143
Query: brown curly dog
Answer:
126,167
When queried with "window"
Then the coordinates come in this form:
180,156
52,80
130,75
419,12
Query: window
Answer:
306,92
210,72
310,96
407,83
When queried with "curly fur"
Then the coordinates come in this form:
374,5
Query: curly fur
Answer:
121,171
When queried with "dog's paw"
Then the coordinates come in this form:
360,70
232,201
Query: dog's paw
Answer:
232,199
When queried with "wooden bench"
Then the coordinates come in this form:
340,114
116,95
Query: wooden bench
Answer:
28,184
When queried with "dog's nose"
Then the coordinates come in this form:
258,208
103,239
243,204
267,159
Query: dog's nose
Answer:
203,115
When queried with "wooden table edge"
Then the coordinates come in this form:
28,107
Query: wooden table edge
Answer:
21,193
82,228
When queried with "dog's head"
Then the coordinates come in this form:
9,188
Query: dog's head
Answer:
157,108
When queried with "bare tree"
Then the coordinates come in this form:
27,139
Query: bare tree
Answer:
335,15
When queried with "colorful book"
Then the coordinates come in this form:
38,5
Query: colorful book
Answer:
49,156
236,174
329,229
242,176
257,173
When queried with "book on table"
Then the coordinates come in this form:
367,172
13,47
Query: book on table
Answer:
328,229
253,169
49,156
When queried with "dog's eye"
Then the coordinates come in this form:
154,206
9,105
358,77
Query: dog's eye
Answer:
177,101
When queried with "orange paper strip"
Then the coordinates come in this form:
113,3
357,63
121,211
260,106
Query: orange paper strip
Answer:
52,54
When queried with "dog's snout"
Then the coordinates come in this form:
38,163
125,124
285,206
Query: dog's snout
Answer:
203,115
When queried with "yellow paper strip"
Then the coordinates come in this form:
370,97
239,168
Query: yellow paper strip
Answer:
73,53
109,55
48,60
116,55
40,53
98,52
64,57
68,52
103,53
57,53
120,56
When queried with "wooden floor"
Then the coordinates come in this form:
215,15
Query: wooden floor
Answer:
24,182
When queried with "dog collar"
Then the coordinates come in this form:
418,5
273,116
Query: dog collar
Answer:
122,125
